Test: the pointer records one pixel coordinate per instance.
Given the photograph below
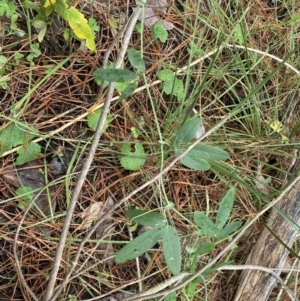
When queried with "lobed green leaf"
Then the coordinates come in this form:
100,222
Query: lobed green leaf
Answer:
28,152
132,160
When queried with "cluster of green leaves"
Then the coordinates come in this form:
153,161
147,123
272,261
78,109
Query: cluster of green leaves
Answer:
198,157
8,9
214,233
218,229
161,230
20,134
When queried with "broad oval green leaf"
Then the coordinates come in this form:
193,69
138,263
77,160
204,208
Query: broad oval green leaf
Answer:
136,60
187,132
114,75
138,246
147,218
225,208
172,249
195,163
229,229
208,152
207,226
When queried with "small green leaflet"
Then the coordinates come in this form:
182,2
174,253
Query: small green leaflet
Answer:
159,32
187,132
114,75
28,152
172,249
94,117
197,156
207,226
229,229
147,218
132,160
26,195
171,84
225,208
136,60
128,91
138,246
17,134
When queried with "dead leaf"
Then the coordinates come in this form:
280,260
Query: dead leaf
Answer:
150,17
104,232
261,182
90,214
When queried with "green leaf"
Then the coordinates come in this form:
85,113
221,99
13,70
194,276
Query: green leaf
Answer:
172,249
138,246
42,33
172,85
7,8
81,27
170,297
187,132
207,226
93,24
94,117
28,152
225,208
15,134
204,249
128,91
26,194
194,163
135,132
132,160
208,152
159,32
114,75
229,229
136,60
166,75
191,289
147,218
239,34
3,59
